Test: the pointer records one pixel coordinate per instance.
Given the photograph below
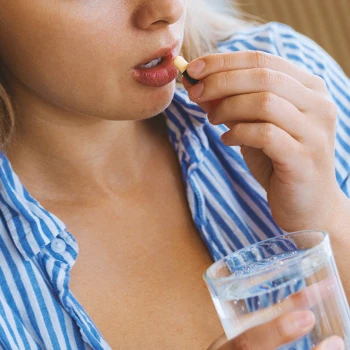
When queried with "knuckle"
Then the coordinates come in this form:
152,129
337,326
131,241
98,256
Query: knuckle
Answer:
267,78
330,110
262,59
266,101
225,60
222,81
237,130
267,132
281,332
319,83
252,58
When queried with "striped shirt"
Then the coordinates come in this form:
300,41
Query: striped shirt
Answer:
229,207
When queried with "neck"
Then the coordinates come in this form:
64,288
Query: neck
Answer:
61,155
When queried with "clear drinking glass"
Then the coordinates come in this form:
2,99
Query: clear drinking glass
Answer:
259,283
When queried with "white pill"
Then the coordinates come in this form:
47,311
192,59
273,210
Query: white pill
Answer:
180,63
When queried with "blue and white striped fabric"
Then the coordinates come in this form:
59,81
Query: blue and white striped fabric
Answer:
229,208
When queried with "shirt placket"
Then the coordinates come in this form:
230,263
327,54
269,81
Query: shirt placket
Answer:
61,254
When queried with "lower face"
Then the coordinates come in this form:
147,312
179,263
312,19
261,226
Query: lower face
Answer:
81,56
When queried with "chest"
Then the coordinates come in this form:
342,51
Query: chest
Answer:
139,270
143,285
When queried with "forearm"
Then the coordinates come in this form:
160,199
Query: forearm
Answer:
339,231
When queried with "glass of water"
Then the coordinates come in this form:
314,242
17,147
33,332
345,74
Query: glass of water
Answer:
268,279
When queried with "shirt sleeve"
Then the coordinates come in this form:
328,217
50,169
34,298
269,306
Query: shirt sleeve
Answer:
305,53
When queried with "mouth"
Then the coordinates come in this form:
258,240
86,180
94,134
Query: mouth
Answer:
152,63
158,57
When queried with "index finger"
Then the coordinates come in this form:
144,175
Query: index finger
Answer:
223,62
273,334
304,299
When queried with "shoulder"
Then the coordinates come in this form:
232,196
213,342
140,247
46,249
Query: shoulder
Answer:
282,40
263,37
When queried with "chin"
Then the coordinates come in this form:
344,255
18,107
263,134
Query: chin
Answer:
158,100
138,106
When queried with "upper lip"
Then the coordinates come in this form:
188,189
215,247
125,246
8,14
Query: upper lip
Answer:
165,51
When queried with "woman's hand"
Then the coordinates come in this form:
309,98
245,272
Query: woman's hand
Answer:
285,322
284,119
278,332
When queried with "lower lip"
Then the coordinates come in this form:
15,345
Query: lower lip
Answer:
157,76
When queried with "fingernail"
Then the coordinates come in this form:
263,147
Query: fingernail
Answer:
195,68
333,343
304,319
197,91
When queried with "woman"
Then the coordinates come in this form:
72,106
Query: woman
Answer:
134,171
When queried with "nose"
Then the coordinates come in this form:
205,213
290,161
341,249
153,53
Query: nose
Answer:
152,14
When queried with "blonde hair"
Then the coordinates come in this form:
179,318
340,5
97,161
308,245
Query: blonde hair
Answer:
210,22
207,24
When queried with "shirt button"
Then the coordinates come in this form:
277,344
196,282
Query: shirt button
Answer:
58,245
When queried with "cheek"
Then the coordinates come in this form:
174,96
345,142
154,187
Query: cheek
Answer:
70,60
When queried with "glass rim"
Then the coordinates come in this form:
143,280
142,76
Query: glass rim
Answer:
290,261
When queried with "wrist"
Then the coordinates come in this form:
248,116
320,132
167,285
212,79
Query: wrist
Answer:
338,229
338,220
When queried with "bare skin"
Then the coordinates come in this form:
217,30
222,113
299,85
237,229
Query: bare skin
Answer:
93,172
84,144
139,271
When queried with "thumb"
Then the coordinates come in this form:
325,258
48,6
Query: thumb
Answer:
206,106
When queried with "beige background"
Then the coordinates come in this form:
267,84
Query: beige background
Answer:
325,21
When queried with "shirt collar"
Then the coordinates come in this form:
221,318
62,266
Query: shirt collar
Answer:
29,224
32,227
186,122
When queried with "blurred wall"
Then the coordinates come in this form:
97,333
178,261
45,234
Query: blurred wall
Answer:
325,21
